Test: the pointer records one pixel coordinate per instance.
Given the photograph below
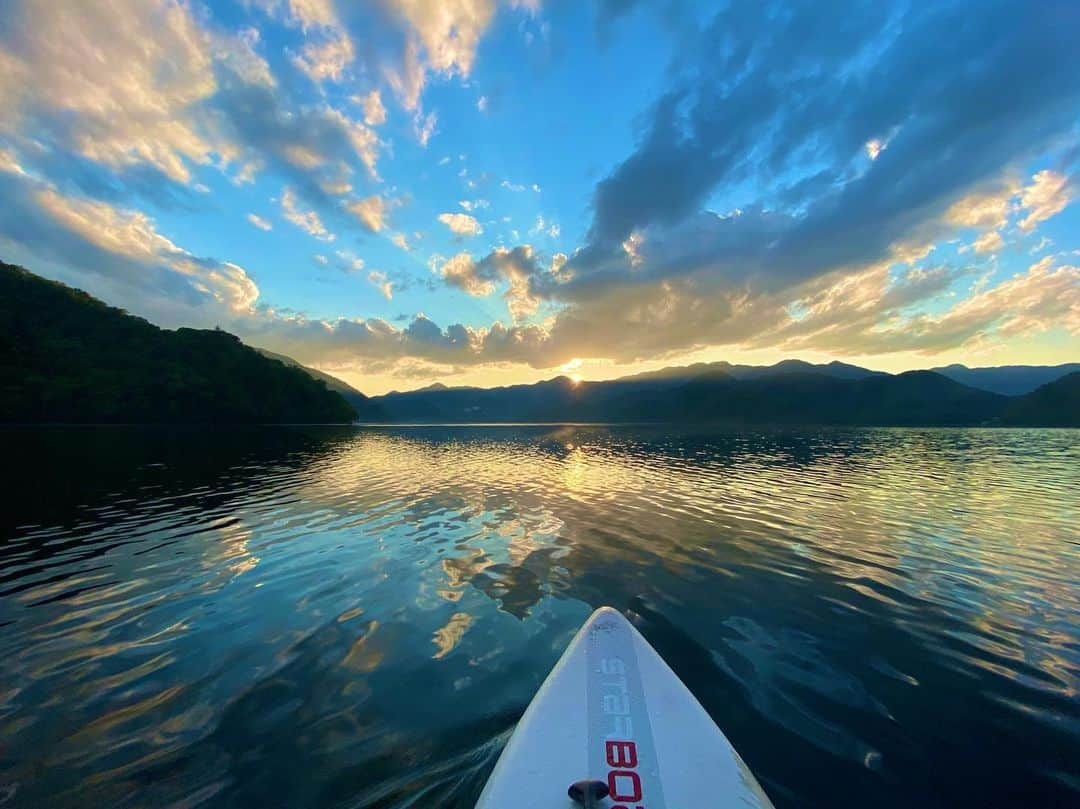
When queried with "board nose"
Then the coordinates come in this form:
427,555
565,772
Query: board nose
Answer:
606,614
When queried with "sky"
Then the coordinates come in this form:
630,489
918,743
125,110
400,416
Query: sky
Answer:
400,192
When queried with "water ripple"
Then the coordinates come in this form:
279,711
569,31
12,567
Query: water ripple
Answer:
356,618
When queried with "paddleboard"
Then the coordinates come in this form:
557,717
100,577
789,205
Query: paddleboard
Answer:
613,720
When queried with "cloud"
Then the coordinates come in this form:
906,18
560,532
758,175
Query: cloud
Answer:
551,229
424,126
407,80
464,274
372,104
518,267
326,60
787,188
307,221
321,259
401,242
449,30
1047,195
1041,245
259,222
134,99
989,242
121,85
482,104
461,224
121,251
379,280
474,204
985,209
1042,298
371,211
755,118
307,15
349,261
328,49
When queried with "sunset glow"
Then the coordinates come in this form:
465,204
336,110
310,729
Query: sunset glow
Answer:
505,192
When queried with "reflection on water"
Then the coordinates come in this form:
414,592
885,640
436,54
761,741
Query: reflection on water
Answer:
337,617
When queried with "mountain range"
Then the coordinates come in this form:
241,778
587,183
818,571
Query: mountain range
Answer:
68,357
790,392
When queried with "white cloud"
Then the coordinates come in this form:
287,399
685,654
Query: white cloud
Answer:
461,272
536,188
512,186
364,141
461,224
349,261
874,147
326,60
449,30
985,209
381,283
321,259
1047,195
129,81
335,188
482,104
308,221
259,222
132,235
302,156
407,82
474,204
372,104
240,55
401,242
328,49
515,266
10,163
1041,245
552,229
989,242
631,247
371,211
424,126
304,14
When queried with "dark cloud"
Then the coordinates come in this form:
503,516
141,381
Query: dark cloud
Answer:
774,103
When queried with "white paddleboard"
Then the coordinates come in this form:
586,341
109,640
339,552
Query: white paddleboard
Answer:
612,711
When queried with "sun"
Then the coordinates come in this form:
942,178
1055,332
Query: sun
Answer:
568,368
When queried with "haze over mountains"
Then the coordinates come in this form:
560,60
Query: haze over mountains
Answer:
1008,380
65,356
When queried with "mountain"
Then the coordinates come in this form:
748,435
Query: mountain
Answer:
914,398
837,370
68,357
365,409
1056,404
1008,380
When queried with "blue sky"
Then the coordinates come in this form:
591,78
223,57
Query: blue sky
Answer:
404,191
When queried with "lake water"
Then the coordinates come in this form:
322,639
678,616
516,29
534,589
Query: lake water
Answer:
357,617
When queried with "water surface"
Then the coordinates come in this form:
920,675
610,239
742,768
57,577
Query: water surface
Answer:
357,617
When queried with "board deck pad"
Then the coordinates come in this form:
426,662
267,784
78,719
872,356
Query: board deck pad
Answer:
613,711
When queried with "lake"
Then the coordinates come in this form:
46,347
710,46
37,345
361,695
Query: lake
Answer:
352,617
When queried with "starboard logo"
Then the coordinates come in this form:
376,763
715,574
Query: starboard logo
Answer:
620,749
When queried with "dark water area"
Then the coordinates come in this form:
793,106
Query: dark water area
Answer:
339,617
